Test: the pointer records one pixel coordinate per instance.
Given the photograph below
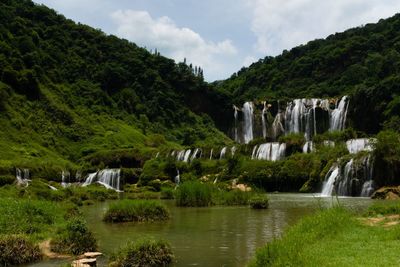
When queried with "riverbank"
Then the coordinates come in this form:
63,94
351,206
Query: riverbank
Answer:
335,237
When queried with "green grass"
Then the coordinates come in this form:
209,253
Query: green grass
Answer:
232,198
194,194
143,252
384,208
332,237
136,211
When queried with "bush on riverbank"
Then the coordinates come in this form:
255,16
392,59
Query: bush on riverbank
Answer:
233,197
136,211
384,208
74,239
194,194
259,202
144,252
17,249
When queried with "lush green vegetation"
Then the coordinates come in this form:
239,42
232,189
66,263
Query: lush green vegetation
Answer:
83,95
332,237
143,252
136,211
259,202
17,250
384,208
194,194
74,239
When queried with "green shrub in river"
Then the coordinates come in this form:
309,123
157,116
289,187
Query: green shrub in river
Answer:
74,239
143,252
259,202
194,194
136,211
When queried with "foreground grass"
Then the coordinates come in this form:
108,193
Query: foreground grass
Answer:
332,237
136,211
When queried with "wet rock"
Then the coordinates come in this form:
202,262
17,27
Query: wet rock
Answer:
84,263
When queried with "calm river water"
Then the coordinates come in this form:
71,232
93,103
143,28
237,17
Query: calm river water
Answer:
216,236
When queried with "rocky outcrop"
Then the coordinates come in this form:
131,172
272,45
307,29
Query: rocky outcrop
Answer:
388,193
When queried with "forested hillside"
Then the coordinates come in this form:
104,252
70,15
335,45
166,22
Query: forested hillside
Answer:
69,91
363,62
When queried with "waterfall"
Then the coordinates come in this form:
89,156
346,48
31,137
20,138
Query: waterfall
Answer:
22,176
248,121
90,179
308,116
253,154
329,143
211,153
308,147
338,115
354,179
235,115
110,178
187,155
356,145
233,150
263,121
271,151
158,154
222,153
330,179
181,155
65,178
194,155
177,178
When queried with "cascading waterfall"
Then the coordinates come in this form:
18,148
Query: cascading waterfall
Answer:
330,178
177,178
339,114
263,121
109,178
211,153
65,178
222,153
354,178
253,154
187,155
90,179
308,116
235,115
22,176
248,121
233,151
271,151
361,144
194,155
308,147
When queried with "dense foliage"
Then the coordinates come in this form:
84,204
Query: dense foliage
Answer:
68,92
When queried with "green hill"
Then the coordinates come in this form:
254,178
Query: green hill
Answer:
70,93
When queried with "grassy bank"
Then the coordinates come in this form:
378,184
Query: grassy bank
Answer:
333,237
136,211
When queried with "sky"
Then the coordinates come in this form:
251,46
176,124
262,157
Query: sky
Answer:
222,36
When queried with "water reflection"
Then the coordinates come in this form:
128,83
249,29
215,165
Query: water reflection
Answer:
217,236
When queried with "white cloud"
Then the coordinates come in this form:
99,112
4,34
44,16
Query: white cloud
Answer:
172,41
248,60
282,25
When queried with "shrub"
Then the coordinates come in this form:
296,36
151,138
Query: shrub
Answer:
16,250
234,197
136,211
167,193
259,202
144,252
194,194
75,239
6,179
